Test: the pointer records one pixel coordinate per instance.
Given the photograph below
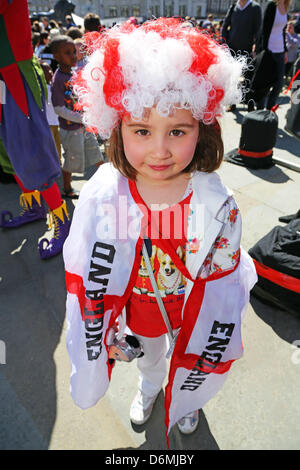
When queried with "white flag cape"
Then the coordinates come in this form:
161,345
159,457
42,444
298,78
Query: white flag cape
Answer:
102,256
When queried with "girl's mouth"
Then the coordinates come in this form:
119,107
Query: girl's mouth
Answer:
159,167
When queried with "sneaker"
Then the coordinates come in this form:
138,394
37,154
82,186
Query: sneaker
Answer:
189,423
141,408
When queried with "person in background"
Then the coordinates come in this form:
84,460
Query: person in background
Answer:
297,24
293,43
241,29
208,22
46,54
35,39
69,22
36,27
51,114
45,22
81,60
54,29
273,39
81,149
74,32
25,133
44,41
91,23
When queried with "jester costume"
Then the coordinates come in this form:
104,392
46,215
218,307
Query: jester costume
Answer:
29,151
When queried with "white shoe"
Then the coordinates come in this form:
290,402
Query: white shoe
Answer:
189,423
141,408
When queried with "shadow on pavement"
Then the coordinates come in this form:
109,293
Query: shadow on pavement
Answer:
287,142
273,174
155,435
32,313
285,324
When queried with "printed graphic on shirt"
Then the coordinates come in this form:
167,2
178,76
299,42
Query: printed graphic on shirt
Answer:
169,279
69,98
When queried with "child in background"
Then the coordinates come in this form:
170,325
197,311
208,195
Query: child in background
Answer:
156,92
51,114
81,149
44,41
81,61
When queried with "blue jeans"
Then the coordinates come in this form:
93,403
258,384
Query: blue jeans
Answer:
272,96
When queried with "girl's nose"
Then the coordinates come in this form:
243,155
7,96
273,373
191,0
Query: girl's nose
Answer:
161,149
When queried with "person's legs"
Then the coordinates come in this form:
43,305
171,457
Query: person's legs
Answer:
277,87
52,196
153,365
73,146
152,372
92,152
59,217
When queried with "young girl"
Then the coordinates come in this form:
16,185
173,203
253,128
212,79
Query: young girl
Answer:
156,91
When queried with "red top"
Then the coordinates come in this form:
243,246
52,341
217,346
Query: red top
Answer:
167,231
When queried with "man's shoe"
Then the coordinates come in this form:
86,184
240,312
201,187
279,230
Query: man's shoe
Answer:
251,106
60,219
32,209
141,408
189,423
288,218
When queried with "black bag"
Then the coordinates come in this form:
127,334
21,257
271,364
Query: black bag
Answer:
258,137
277,261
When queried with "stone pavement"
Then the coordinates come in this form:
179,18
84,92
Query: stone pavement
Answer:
258,408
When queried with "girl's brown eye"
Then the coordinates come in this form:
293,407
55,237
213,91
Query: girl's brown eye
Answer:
176,132
142,132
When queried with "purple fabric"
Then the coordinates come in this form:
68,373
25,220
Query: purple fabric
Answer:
62,95
29,142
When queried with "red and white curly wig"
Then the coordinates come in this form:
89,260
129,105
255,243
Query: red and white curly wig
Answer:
162,63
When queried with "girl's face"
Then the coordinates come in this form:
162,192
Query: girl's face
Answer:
160,148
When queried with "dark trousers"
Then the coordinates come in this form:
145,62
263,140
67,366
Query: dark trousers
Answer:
271,95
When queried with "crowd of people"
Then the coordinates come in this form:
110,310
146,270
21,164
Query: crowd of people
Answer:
60,50
246,29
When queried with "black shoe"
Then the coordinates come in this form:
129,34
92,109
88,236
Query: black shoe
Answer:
288,218
251,106
231,108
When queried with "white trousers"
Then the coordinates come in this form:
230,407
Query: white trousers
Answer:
153,365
